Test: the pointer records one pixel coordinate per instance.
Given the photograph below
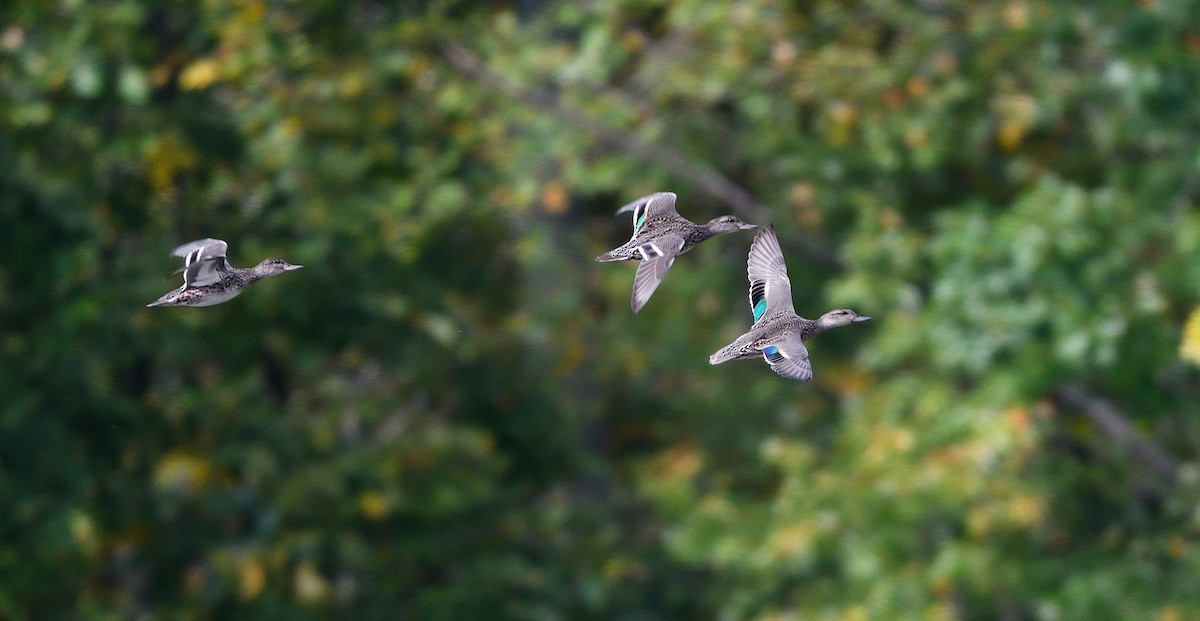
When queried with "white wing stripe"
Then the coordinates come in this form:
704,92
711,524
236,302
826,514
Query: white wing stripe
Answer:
650,250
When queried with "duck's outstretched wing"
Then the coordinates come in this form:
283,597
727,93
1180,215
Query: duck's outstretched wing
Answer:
789,358
657,257
204,262
650,207
770,289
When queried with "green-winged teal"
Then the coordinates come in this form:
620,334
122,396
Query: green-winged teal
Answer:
209,279
778,333
659,235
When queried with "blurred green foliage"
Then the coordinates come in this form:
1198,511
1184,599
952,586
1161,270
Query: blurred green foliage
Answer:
451,414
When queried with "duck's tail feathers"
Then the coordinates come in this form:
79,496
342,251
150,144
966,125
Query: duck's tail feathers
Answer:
165,300
725,354
611,255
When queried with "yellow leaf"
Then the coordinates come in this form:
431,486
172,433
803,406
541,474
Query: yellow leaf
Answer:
180,472
1017,113
555,197
290,126
252,578
679,463
979,521
351,85
941,610
373,505
1189,349
166,157
83,530
1026,510
917,87
916,137
843,117
794,539
1177,547
198,74
1016,15
253,12
619,568
1011,134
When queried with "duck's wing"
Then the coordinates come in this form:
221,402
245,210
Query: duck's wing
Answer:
770,289
215,246
204,262
789,358
650,207
657,257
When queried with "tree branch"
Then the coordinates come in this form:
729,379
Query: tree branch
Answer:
702,175
1115,425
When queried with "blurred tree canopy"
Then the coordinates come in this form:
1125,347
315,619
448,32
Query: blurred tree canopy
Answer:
450,412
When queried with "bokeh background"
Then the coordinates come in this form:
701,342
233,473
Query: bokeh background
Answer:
450,413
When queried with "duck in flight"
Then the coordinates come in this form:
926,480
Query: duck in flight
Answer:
209,279
659,235
778,333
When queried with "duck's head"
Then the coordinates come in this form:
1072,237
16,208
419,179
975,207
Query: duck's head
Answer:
727,224
840,317
271,267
